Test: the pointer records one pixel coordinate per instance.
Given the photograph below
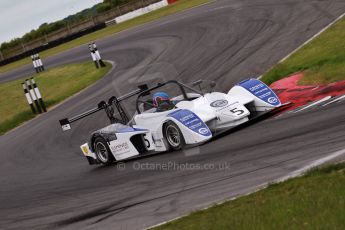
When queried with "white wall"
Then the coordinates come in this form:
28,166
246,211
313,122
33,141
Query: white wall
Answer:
141,11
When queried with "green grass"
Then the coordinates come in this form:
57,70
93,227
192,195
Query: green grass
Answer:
171,9
55,84
314,201
323,59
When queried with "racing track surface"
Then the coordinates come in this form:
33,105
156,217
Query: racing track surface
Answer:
46,183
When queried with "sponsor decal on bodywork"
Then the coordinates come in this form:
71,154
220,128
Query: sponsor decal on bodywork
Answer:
191,121
219,103
85,150
203,131
261,91
120,148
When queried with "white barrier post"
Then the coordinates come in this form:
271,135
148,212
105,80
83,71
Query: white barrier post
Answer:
28,98
37,63
41,66
34,63
38,94
98,55
93,56
33,95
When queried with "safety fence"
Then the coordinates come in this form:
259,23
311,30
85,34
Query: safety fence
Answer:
70,32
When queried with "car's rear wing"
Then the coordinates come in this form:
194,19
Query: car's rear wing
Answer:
108,107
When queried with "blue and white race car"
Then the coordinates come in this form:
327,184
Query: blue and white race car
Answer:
162,122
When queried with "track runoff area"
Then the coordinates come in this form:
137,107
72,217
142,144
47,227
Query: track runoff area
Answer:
31,91
136,200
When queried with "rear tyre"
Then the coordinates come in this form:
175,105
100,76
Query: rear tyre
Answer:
103,152
173,136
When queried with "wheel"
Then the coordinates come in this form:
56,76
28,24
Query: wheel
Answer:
103,152
173,136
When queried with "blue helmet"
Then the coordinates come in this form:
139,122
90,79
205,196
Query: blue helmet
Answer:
159,97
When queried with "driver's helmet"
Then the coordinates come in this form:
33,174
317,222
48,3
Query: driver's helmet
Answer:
161,101
160,97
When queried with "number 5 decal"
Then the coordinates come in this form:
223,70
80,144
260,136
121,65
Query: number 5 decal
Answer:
236,111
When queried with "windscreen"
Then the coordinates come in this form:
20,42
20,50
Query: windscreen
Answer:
165,97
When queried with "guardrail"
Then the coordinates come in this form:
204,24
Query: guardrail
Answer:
70,32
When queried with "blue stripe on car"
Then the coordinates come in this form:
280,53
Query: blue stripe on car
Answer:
129,129
191,121
260,90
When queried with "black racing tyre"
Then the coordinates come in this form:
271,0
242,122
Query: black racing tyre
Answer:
103,152
173,136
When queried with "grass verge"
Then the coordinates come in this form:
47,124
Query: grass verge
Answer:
314,201
322,60
55,84
171,9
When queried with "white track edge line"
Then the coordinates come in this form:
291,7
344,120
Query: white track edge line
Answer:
313,104
296,173
335,100
312,165
306,42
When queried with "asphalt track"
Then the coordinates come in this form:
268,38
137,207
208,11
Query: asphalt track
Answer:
45,183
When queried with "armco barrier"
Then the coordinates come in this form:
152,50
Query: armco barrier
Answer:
51,44
70,32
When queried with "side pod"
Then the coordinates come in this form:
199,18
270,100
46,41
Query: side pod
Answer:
264,97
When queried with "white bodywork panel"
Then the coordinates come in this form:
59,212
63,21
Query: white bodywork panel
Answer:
264,98
155,121
122,148
87,151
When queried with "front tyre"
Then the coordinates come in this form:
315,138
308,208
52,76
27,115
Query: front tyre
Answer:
103,152
173,136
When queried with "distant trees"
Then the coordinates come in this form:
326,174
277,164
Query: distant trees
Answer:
108,4
43,29
8,45
47,28
103,7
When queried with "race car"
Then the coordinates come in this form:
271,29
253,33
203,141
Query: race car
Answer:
189,116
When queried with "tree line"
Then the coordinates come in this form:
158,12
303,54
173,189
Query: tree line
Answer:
47,28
